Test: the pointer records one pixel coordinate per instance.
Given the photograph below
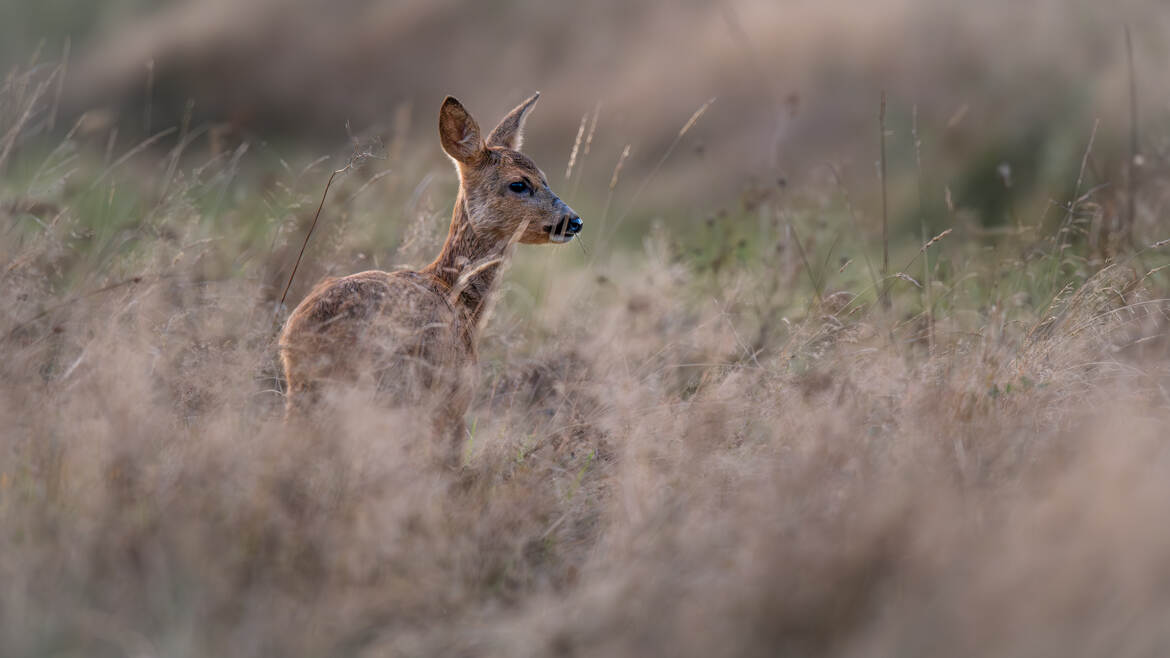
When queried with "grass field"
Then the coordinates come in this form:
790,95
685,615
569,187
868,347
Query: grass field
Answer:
717,428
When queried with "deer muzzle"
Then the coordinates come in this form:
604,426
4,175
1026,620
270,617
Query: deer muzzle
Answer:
565,228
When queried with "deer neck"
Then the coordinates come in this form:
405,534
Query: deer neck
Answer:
468,263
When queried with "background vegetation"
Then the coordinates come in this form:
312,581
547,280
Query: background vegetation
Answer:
725,422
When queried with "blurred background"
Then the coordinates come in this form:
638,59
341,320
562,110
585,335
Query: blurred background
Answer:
1006,93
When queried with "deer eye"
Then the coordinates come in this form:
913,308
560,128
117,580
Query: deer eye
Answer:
519,187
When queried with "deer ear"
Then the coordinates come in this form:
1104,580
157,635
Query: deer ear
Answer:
459,133
509,134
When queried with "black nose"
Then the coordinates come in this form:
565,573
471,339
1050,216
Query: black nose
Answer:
568,225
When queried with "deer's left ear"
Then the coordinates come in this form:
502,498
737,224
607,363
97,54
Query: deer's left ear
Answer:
459,133
510,132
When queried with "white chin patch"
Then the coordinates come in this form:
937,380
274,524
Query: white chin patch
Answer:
559,239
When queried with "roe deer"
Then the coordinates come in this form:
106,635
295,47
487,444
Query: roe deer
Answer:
412,334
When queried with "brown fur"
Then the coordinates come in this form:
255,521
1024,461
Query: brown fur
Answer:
411,335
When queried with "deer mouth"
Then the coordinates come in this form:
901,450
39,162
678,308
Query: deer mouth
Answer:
564,230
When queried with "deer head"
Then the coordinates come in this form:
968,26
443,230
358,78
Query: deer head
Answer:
503,191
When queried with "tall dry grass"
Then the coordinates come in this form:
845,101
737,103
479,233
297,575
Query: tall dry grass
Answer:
723,449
